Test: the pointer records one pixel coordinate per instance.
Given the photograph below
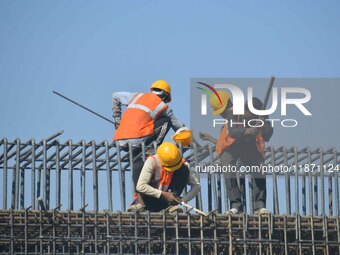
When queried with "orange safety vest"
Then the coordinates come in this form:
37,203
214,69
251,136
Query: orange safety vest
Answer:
161,178
139,116
224,141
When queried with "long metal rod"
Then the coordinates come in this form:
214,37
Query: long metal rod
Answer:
95,178
199,196
17,175
83,175
336,180
5,175
268,92
108,176
275,189
70,179
58,175
121,178
84,107
287,182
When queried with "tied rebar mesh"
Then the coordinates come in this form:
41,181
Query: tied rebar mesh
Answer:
43,183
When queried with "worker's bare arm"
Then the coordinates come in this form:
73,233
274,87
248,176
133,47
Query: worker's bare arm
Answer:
207,137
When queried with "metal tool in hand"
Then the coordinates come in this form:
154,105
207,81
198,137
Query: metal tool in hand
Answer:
192,208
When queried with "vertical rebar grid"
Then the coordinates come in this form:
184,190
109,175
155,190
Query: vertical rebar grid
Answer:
48,231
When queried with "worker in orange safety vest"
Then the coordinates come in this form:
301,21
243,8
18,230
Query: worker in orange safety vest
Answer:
147,117
242,143
163,178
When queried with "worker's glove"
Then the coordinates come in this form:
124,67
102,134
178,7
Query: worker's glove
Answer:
175,208
117,122
204,136
170,197
251,131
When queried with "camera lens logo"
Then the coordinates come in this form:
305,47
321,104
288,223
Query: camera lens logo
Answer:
213,94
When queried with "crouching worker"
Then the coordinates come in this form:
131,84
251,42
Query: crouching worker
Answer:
164,177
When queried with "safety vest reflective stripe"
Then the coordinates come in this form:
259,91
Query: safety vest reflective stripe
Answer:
161,178
157,167
141,107
135,98
153,114
158,109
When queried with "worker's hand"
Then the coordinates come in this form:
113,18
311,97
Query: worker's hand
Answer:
117,122
204,136
252,131
169,197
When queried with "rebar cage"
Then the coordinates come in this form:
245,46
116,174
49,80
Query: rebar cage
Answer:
70,198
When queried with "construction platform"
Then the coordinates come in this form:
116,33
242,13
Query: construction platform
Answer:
80,232
41,184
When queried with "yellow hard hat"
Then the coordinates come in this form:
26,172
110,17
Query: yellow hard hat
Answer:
162,85
182,136
169,156
215,104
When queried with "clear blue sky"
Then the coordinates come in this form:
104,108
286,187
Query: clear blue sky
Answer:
89,49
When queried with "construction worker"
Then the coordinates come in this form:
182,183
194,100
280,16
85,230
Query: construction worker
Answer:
181,137
164,177
243,143
147,117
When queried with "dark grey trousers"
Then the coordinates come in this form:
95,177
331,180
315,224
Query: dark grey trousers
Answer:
236,196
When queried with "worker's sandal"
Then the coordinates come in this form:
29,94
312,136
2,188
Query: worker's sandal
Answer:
262,211
136,207
232,211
